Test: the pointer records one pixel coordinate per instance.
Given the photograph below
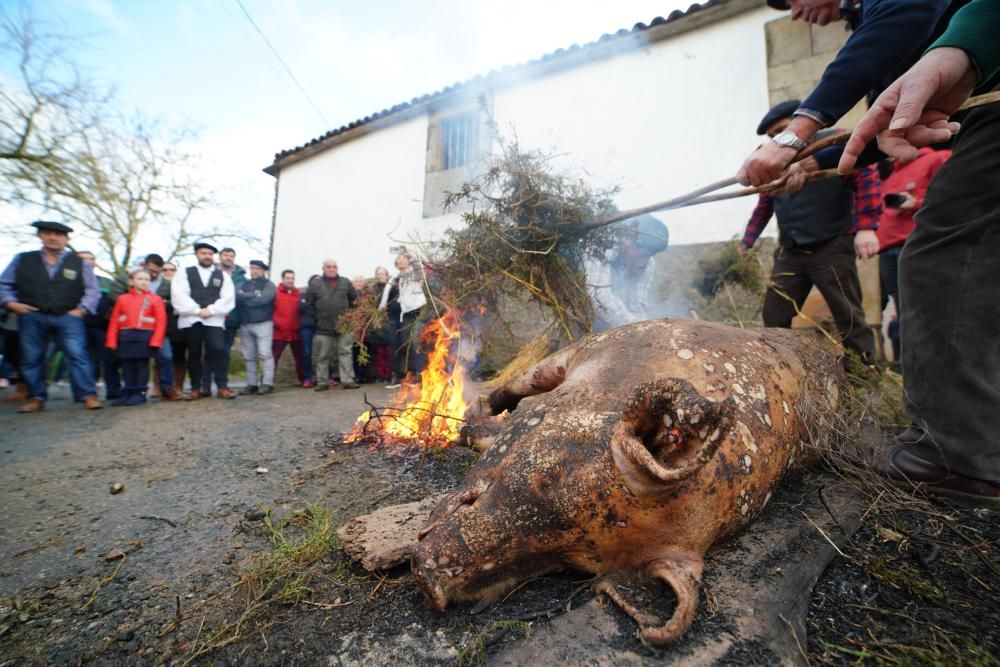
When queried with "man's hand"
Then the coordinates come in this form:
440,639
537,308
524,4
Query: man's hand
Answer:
866,244
797,177
915,109
76,312
742,249
20,308
204,313
765,164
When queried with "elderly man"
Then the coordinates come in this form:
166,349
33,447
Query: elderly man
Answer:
255,305
327,298
822,228
950,265
51,290
203,295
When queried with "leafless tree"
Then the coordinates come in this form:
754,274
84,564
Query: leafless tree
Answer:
120,180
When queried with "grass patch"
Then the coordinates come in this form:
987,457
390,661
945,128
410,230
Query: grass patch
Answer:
474,652
302,541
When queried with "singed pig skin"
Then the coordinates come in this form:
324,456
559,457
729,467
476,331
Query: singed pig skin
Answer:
632,450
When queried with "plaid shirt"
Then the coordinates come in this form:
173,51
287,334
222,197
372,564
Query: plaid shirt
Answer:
867,190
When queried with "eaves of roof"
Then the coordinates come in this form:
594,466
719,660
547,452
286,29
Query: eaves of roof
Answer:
607,45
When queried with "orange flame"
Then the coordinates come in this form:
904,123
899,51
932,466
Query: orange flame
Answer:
432,410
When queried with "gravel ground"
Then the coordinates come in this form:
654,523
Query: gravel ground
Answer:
188,523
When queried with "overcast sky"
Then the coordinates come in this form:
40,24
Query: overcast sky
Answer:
204,64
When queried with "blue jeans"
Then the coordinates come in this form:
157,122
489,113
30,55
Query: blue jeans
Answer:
307,352
164,358
70,335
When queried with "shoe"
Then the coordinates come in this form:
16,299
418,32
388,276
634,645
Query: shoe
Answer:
4,383
33,405
122,400
92,403
907,470
321,387
135,399
155,392
226,393
171,394
20,393
308,384
195,395
249,390
351,385
266,389
393,383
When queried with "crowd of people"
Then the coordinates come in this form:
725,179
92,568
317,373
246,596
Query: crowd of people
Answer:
184,322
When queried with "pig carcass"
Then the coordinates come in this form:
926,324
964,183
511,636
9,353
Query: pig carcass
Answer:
630,451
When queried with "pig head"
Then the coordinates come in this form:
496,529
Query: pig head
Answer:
630,451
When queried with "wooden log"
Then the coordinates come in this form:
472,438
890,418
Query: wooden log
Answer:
386,537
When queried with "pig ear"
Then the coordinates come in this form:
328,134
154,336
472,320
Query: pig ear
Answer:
668,431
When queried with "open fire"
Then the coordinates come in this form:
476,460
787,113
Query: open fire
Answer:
428,413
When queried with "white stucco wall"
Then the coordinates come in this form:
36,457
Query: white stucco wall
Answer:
658,122
344,203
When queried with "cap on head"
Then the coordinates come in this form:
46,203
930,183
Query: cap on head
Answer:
259,264
649,234
51,226
778,112
202,245
780,5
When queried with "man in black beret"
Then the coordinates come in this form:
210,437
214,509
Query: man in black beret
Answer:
203,295
51,290
255,307
821,229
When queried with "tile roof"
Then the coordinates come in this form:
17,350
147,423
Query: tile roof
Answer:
563,54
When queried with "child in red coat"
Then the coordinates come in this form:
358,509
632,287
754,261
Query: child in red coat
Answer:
137,327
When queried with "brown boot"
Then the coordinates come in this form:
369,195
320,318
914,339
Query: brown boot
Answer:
154,391
92,403
20,393
179,371
194,395
171,395
33,405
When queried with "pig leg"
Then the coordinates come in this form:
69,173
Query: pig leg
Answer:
683,574
544,376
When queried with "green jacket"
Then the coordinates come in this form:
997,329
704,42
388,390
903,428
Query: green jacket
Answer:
975,29
239,277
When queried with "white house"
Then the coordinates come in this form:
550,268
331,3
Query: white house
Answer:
658,110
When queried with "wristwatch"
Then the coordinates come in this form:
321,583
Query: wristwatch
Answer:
789,140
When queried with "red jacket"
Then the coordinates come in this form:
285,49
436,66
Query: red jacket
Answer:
913,178
137,310
286,314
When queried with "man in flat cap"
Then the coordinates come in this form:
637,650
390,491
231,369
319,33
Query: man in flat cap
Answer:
620,283
203,295
821,229
51,290
255,306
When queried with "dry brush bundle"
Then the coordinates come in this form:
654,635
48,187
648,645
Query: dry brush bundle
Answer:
362,319
528,230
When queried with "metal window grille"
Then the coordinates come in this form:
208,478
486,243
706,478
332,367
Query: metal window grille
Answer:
459,139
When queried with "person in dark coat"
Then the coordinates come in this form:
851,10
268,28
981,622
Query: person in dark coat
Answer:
327,298
51,290
307,331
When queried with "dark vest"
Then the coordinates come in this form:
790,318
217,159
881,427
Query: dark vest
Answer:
821,211
204,295
57,295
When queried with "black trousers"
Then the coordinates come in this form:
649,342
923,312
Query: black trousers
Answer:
206,356
135,374
832,269
950,325
406,355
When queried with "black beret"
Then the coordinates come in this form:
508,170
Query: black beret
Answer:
778,111
201,244
650,234
257,262
51,226
779,4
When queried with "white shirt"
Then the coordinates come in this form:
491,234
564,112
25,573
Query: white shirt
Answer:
186,308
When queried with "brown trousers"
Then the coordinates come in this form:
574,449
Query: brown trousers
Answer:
832,269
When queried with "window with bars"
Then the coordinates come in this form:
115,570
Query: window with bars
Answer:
459,140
